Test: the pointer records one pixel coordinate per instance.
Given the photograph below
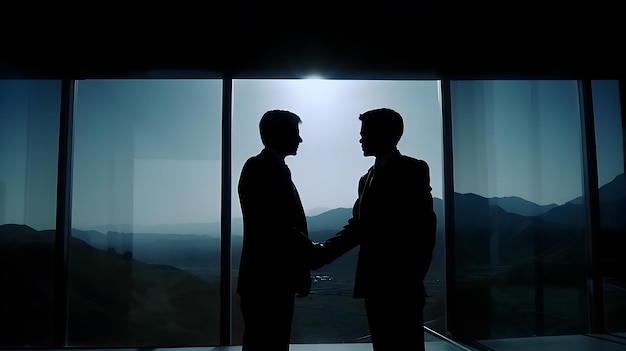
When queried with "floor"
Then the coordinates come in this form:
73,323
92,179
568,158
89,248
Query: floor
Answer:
552,343
430,346
615,342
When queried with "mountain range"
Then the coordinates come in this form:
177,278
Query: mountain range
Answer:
611,199
157,282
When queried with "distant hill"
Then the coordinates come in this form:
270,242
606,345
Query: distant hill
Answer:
316,210
322,218
609,192
333,219
508,240
113,300
212,229
154,247
512,218
511,204
493,237
517,205
612,197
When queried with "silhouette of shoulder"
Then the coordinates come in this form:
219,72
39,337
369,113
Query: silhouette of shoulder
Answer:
261,164
413,164
410,170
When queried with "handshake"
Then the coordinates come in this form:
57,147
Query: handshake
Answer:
319,256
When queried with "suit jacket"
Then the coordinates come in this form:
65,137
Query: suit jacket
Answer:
394,223
275,235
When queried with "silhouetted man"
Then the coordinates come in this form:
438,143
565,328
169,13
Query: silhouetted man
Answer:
394,224
274,265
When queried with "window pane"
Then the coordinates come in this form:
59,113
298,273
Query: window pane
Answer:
144,260
519,222
326,171
29,134
610,154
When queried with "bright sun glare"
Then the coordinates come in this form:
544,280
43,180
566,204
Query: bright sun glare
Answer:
314,77
316,87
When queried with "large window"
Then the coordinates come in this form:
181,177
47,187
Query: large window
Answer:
146,206
519,222
29,136
144,257
326,171
612,195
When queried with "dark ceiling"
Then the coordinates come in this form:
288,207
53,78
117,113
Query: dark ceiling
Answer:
366,39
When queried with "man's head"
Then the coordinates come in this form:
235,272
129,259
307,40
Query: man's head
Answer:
280,132
381,130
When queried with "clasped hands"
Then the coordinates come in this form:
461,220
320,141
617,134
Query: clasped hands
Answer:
315,257
318,256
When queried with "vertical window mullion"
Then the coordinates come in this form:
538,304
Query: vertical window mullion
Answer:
448,191
226,251
622,99
592,210
64,214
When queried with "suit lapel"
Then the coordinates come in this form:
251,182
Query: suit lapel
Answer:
299,210
366,190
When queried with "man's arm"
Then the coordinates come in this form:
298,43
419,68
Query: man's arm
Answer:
335,246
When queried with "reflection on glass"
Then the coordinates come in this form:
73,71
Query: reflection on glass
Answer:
609,149
326,171
519,222
144,256
29,134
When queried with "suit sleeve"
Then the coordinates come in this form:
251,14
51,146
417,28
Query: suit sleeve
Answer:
266,205
347,237
427,219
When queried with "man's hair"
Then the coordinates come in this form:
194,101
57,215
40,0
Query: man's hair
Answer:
387,121
275,123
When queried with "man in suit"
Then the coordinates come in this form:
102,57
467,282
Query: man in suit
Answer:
274,266
393,223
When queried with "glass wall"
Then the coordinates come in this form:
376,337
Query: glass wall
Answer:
326,171
144,256
519,222
144,259
29,137
612,194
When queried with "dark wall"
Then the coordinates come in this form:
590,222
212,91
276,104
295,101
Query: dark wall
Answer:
375,39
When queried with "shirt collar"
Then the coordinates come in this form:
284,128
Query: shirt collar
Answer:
381,160
275,155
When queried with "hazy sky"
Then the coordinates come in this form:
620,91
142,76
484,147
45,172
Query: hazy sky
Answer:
29,135
149,151
330,161
609,129
517,138
523,138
